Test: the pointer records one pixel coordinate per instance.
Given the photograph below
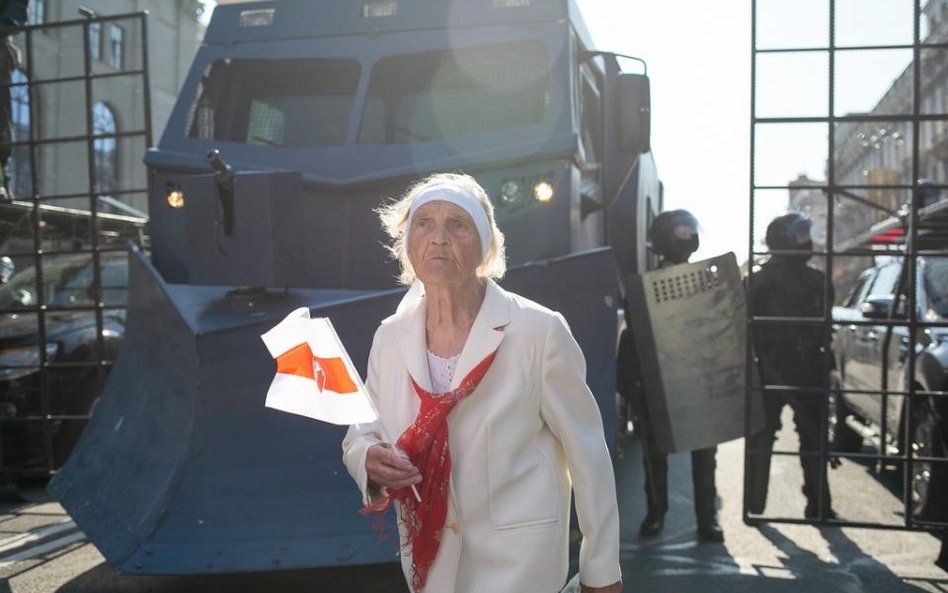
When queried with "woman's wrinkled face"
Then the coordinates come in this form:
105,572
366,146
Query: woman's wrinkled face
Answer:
443,244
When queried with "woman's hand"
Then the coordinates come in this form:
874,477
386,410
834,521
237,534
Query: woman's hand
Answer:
613,588
388,469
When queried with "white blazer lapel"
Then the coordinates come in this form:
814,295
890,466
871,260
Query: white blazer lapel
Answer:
412,344
487,332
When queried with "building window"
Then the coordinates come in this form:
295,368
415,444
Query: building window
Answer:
105,146
36,12
95,41
117,46
19,167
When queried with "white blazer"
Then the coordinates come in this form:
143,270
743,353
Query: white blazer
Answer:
529,434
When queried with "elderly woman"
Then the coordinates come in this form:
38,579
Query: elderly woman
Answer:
497,426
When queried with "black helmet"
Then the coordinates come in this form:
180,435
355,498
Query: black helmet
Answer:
790,231
666,243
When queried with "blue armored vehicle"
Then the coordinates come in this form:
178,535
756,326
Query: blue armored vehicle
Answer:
296,121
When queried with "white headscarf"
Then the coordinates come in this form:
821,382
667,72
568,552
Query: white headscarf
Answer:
460,197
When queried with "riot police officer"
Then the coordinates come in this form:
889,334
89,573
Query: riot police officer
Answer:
674,237
793,354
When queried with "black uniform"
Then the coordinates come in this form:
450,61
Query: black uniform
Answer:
673,236
791,355
655,461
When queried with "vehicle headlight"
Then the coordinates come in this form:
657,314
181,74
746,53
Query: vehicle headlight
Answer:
20,361
520,191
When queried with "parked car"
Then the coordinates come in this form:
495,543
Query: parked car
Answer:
74,373
872,355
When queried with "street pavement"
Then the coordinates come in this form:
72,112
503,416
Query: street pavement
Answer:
41,551
772,557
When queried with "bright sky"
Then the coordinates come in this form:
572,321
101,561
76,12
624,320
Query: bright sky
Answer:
699,62
698,56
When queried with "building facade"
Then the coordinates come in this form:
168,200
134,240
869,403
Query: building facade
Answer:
876,153
84,72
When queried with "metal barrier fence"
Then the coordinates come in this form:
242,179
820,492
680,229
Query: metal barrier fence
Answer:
858,95
81,121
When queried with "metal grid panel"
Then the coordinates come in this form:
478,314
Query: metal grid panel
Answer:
67,236
860,90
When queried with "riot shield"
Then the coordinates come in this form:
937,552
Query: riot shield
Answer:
689,326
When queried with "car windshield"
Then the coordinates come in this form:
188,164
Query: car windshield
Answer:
67,282
936,284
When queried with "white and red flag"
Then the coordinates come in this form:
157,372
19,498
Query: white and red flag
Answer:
314,376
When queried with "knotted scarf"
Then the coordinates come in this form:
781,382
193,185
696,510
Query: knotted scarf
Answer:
426,444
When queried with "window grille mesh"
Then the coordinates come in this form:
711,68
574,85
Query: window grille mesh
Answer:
285,103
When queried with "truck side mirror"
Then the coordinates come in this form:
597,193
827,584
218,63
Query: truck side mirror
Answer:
633,105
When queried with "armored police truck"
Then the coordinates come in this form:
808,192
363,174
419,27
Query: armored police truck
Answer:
296,121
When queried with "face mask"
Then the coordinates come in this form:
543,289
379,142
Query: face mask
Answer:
681,249
798,258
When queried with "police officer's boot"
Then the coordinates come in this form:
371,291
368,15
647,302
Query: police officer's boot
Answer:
758,471
652,524
813,510
709,529
702,475
656,490
654,520
811,480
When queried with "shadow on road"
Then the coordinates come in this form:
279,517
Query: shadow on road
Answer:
851,565
380,578
759,559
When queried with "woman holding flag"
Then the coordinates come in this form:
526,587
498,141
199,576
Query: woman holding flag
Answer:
496,425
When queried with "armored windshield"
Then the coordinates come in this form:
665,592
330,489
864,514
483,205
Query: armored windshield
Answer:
288,103
432,95
415,97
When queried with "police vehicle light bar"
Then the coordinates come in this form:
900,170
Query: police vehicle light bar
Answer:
379,9
896,235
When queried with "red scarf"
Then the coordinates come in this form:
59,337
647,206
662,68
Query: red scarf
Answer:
426,444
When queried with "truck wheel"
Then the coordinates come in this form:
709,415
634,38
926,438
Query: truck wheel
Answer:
842,437
929,478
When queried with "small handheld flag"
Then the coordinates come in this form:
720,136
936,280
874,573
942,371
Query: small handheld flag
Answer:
314,376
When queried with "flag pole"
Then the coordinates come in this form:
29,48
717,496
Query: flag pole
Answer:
385,434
